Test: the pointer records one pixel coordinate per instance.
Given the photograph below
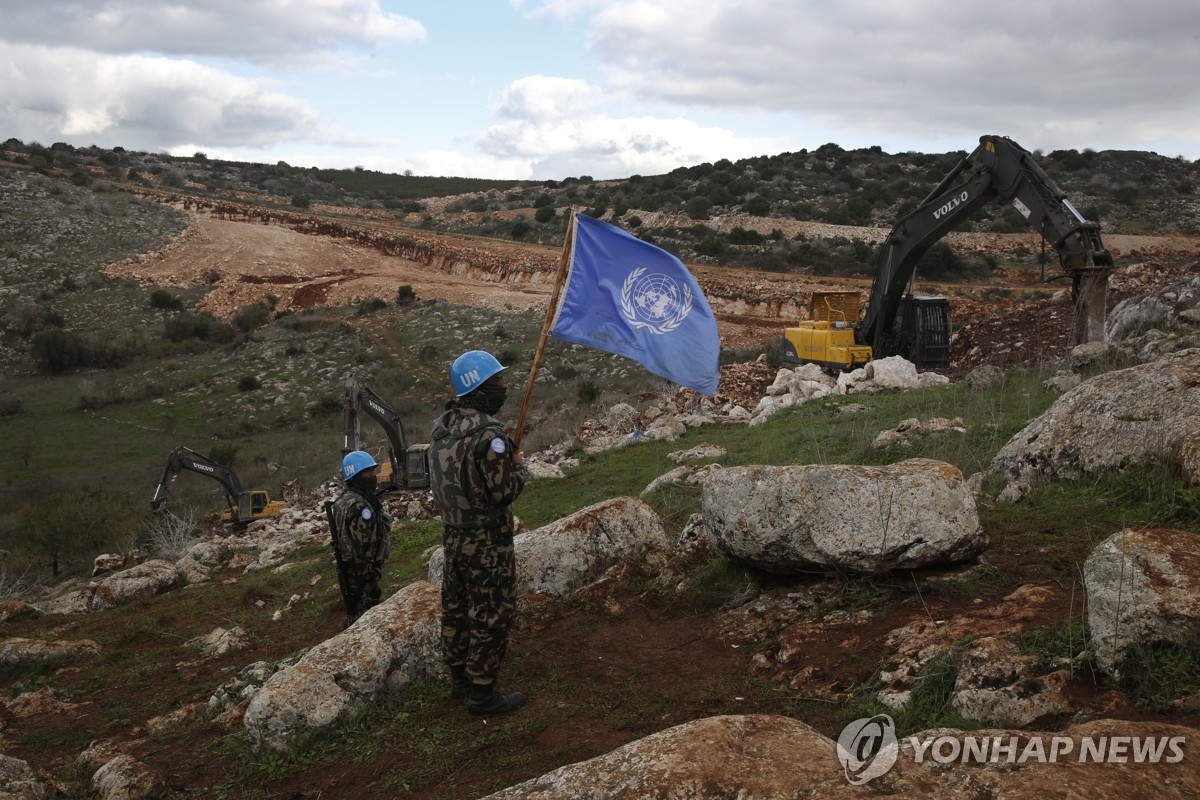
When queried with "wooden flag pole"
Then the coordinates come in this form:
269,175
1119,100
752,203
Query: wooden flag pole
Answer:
559,279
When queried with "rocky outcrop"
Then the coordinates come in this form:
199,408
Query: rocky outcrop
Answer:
910,430
118,589
389,647
1126,418
912,514
24,651
1143,588
754,756
1010,682
762,757
220,641
18,781
561,557
126,778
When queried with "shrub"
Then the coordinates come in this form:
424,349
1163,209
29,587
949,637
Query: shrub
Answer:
520,229
58,351
161,298
223,453
300,201
252,316
405,295
370,305
588,393
545,214
249,383
182,327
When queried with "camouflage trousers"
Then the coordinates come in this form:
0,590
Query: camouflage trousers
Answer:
479,589
363,588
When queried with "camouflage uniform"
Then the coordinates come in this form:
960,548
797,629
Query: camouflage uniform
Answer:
363,545
475,483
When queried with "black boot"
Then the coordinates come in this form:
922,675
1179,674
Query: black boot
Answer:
484,700
460,683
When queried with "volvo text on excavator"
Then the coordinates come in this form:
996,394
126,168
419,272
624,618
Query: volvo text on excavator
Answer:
897,322
413,472
244,505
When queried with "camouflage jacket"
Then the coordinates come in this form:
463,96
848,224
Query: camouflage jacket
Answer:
471,469
362,529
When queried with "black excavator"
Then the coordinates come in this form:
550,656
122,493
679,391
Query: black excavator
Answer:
394,474
245,506
897,322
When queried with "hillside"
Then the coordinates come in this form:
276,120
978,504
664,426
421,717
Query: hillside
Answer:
136,320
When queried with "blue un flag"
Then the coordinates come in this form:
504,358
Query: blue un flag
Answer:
631,298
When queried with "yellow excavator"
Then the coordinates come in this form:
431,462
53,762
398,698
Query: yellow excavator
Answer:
394,474
245,506
897,322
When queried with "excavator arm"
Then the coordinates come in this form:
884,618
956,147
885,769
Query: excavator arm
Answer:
999,169
182,458
244,505
359,400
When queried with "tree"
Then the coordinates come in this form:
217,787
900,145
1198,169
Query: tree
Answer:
545,214
697,207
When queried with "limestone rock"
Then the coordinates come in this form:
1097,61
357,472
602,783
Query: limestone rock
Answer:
220,641
753,756
1143,587
125,778
763,757
118,589
22,651
985,378
1115,420
912,514
389,647
18,781
575,550
910,429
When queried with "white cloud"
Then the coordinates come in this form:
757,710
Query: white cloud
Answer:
141,102
253,31
1074,73
559,127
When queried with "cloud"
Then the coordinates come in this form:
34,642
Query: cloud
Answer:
1068,71
558,127
140,102
251,31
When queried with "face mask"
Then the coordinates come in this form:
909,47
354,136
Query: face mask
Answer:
365,482
487,398
494,397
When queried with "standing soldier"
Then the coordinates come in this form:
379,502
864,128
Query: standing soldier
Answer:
475,477
360,532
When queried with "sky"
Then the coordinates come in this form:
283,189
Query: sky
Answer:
550,89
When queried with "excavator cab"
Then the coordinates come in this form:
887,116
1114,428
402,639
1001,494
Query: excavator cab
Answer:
922,332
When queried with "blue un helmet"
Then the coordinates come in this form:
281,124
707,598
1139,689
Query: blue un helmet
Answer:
471,369
355,462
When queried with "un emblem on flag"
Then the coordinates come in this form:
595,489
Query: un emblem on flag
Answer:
655,301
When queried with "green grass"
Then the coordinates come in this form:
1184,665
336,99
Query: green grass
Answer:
1154,676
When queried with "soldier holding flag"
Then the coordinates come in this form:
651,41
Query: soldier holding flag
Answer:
475,475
